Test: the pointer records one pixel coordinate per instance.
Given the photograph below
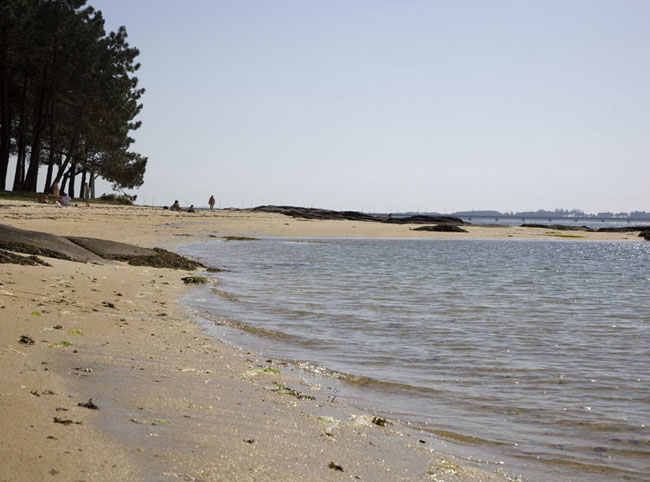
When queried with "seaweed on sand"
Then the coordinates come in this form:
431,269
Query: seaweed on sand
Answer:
239,238
63,343
195,280
26,248
282,389
379,421
162,259
66,421
89,404
10,258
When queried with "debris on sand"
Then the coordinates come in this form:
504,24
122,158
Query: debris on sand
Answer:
66,421
89,404
379,421
334,466
239,238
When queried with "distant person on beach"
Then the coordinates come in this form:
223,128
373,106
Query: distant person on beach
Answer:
43,198
55,190
176,206
211,203
66,200
191,209
87,194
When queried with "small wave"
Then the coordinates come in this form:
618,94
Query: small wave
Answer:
254,329
603,469
465,439
224,294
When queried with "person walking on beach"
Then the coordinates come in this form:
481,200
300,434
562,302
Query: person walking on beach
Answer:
87,194
211,202
55,189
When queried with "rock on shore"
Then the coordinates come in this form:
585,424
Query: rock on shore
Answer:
445,228
325,214
82,249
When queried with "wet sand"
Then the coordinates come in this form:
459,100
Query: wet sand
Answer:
173,402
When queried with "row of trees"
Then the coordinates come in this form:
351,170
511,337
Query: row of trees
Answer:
68,97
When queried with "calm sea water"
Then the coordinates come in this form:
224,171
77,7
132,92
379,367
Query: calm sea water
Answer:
532,352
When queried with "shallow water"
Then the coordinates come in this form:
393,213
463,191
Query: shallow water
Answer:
533,352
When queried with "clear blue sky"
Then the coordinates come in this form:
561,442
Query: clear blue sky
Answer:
387,105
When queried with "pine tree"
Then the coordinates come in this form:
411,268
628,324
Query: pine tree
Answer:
68,95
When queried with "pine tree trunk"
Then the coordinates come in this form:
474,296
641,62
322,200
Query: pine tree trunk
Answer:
5,113
64,182
20,171
71,150
19,176
73,174
31,179
92,184
73,145
83,183
51,157
50,170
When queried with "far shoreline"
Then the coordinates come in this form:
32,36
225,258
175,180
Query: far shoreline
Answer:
163,228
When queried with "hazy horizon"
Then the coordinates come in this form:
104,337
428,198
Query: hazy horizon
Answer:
393,106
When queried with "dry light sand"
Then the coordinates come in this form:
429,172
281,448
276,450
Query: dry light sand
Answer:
175,404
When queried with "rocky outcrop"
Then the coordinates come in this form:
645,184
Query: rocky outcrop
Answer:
444,228
82,249
325,214
624,229
313,213
136,255
110,249
558,227
44,244
424,219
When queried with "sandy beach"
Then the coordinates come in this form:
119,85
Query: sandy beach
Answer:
172,402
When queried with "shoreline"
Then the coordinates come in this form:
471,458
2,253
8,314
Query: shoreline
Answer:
158,227
174,402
